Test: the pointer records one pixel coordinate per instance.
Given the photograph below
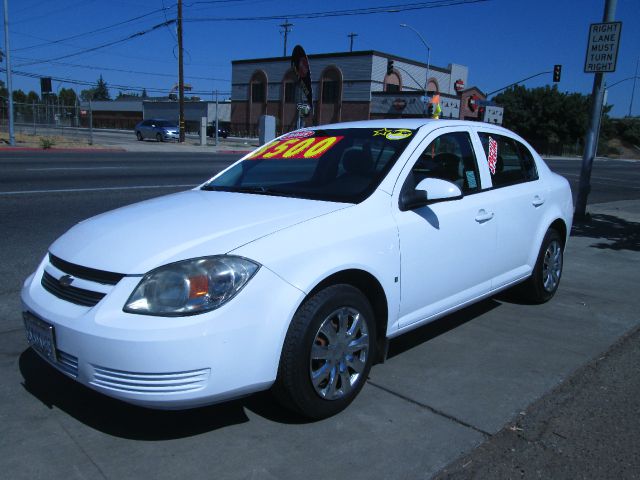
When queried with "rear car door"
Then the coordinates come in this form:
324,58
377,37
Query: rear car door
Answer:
517,197
447,247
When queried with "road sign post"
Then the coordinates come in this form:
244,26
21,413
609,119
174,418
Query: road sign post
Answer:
601,57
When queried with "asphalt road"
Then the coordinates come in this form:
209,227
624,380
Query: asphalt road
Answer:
446,389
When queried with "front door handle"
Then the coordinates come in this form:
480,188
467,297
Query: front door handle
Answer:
537,200
483,216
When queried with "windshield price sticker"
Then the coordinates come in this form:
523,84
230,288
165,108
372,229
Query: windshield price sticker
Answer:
299,134
296,148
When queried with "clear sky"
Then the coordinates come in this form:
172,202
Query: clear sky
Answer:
501,41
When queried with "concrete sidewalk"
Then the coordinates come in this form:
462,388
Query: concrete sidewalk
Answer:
447,388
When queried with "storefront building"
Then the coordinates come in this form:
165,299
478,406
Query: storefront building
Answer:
346,86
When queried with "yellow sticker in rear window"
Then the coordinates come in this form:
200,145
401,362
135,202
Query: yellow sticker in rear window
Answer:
313,147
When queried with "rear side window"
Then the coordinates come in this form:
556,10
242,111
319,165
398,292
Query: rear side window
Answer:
509,161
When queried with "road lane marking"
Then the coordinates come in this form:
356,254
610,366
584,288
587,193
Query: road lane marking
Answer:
605,180
97,189
52,169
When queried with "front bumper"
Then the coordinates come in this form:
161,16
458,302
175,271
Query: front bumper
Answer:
169,363
170,135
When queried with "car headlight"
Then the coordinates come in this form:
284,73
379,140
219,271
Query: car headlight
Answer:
191,286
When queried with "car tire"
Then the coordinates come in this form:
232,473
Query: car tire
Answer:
327,353
543,283
139,136
159,137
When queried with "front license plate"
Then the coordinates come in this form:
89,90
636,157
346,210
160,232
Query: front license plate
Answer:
40,336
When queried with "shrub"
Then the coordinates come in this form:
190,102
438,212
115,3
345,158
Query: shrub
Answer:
46,142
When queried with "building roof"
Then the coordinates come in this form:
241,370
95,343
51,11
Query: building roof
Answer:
360,53
114,106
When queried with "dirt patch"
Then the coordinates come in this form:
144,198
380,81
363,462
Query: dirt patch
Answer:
46,141
624,149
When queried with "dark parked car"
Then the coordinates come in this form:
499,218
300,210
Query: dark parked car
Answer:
222,132
160,130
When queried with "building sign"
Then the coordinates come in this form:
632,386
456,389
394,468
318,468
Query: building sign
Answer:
493,114
459,85
399,103
602,47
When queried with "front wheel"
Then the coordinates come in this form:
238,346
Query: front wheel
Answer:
545,278
159,137
327,353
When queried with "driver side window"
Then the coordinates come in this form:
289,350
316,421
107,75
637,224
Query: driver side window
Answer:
449,157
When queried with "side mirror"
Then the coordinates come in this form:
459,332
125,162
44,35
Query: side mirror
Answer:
428,191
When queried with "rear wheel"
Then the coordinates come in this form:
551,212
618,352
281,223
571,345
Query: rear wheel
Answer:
139,136
545,279
159,137
327,353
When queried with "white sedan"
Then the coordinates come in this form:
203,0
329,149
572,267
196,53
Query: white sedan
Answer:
293,268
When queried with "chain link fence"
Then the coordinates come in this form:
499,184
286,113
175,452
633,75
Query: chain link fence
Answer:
71,122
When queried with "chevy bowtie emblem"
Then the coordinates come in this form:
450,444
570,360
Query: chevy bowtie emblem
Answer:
65,280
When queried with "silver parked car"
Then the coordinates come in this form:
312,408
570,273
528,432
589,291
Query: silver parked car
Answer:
160,130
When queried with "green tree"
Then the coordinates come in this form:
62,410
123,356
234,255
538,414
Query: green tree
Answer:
68,97
4,93
32,97
547,117
19,96
88,94
101,91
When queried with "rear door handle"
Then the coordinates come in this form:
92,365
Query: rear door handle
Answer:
537,200
483,216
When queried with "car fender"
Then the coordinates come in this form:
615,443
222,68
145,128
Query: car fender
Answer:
362,237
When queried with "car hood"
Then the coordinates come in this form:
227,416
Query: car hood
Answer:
195,223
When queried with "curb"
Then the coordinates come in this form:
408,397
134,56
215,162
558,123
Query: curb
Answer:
60,150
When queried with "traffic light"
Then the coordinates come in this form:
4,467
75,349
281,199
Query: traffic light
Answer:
430,110
557,70
389,67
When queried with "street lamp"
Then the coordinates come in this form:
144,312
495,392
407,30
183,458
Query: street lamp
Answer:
426,81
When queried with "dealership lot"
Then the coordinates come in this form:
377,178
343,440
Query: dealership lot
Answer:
445,389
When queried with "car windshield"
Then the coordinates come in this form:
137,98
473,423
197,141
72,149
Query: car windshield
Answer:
341,165
165,123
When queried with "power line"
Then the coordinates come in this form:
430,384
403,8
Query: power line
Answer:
115,42
93,32
110,69
114,86
343,13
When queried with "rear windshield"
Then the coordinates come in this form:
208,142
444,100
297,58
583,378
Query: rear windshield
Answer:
341,165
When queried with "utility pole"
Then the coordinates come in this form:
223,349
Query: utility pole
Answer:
286,31
215,126
590,142
633,90
180,75
12,138
351,35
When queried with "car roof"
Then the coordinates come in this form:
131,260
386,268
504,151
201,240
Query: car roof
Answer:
410,123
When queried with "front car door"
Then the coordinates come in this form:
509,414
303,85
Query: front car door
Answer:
446,247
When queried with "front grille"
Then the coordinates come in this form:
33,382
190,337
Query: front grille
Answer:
67,363
76,295
175,382
86,273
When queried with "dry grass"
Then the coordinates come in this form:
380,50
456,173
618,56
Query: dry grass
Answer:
37,141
